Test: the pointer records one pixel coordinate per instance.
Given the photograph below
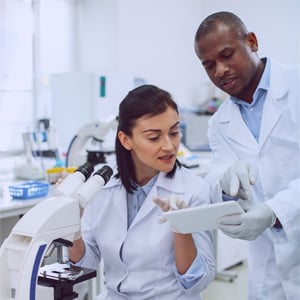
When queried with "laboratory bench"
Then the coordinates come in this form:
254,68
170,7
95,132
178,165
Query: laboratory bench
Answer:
11,210
15,207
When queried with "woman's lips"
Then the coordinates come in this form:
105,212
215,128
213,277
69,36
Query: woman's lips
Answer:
167,157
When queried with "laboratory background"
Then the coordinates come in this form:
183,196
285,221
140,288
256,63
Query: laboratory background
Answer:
66,64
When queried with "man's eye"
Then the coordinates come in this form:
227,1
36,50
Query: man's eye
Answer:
227,55
208,66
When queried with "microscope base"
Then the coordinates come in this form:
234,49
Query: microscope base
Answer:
63,283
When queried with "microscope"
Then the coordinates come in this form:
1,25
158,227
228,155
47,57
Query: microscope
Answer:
51,224
93,134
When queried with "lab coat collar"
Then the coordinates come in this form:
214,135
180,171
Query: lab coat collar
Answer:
278,80
237,130
273,107
170,185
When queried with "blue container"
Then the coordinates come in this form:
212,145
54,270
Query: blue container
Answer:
29,190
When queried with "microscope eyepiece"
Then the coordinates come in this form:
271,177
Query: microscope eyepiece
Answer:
105,172
86,169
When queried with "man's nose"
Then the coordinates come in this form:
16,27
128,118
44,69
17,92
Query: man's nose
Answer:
221,69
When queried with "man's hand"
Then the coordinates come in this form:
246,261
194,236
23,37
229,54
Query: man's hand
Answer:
248,225
237,180
172,203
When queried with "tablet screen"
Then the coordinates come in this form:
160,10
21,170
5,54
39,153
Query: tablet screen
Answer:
200,218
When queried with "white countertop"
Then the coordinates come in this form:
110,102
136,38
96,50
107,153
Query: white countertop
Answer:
13,207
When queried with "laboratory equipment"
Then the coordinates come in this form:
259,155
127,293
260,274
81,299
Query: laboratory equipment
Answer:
96,96
52,222
45,140
40,151
93,135
28,167
29,190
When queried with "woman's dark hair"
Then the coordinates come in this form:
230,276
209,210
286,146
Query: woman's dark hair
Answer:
144,100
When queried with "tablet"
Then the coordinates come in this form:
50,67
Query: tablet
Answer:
200,218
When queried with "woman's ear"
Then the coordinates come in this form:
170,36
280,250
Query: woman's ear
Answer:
124,140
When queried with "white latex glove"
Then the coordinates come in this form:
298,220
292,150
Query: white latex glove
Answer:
172,203
248,225
237,180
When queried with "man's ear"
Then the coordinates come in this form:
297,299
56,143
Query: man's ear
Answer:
252,41
124,140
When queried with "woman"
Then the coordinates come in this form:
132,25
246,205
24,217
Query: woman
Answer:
144,259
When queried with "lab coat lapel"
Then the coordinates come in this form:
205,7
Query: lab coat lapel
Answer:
273,107
120,203
236,129
271,115
172,185
147,207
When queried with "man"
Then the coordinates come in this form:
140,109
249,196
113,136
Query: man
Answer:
255,141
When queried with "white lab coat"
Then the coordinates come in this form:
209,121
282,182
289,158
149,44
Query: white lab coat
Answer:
274,257
145,270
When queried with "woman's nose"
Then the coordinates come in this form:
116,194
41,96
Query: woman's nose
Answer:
167,144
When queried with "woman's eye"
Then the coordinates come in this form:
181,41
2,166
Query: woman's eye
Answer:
175,133
153,139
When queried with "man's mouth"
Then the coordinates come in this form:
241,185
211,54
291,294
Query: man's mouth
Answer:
228,83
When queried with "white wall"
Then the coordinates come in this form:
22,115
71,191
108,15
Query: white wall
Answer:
154,38
98,35
275,23
55,47
150,38
16,105
58,39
